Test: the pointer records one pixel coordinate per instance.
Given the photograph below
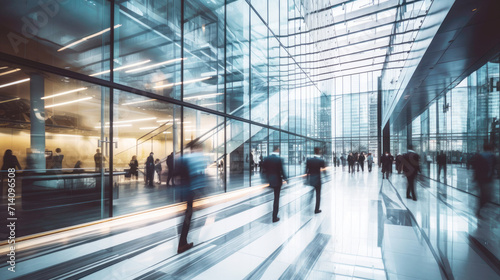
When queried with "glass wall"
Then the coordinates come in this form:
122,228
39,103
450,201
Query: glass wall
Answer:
457,123
84,105
354,114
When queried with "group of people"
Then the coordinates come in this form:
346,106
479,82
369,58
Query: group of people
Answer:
153,169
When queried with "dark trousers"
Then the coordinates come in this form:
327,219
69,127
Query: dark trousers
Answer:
318,197
370,167
441,166
484,195
187,220
170,176
351,168
410,189
362,164
276,203
150,175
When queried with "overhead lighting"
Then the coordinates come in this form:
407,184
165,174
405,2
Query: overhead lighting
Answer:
137,102
211,104
167,120
14,83
120,125
3,67
88,37
151,127
203,96
167,132
69,102
155,65
9,72
185,82
129,121
63,93
9,100
121,68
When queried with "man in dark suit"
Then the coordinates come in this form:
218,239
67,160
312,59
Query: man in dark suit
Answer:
170,166
150,170
273,168
313,171
441,161
411,166
350,162
361,162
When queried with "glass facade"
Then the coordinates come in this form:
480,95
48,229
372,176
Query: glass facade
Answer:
80,101
458,123
354,118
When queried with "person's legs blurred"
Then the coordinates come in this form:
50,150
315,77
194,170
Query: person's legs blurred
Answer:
276,203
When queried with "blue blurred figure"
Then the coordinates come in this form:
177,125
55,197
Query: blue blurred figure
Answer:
191,170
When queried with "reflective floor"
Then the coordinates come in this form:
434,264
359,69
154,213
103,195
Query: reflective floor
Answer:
367,230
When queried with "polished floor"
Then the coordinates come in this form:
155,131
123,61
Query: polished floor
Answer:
367,230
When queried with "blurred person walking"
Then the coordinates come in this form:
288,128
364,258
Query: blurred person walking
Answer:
361,162
275,174
369,159
191,170
350,163
441,161
158,170
484,165
411,166
313,171
386,163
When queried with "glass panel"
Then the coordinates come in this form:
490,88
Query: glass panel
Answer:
203,34
147,49
44,117
259,152
259,70
238,150
143,126
208,130
48,33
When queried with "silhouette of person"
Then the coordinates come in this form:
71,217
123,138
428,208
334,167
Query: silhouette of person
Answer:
9,161
158,169
411,166
78,167
191,170
99,159
441,161
484,168
57,160
369,159
275,173
134,167
313,171
170,166
150,170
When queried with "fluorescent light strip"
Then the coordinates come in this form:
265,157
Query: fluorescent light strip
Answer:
167,132
137,102
66,92
210,104
180,83
14,83
123,67
120,125
9,72
155,65
88,37
202,96
4,67
129,121
69,102
160,121
9,100
151,127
